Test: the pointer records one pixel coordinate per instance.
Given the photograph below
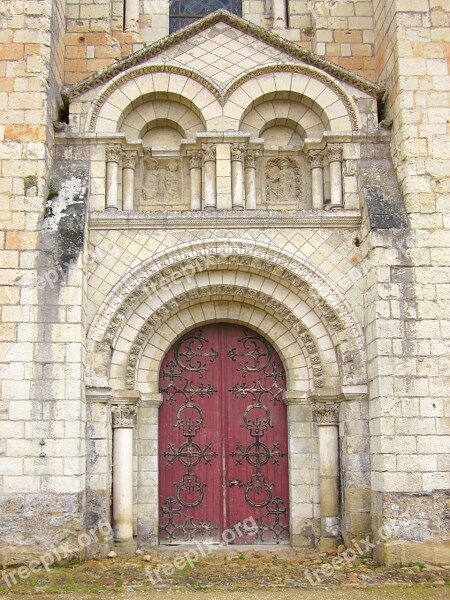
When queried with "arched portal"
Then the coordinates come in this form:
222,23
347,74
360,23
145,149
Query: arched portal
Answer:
223,443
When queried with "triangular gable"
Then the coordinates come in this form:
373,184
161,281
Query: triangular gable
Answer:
240,46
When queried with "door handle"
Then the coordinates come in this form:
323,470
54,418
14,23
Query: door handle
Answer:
234,482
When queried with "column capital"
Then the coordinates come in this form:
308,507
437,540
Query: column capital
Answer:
237,151
326,413
123,416
113,153
129,159
250,157
209,152
316,158
195,159
334,152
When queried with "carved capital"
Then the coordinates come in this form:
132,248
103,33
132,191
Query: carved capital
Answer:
123,415
315,158
195,159
113,153
129,159
237,152
326,414
334,152
209,152
250,159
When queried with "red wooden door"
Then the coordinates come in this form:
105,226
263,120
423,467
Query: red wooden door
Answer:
223,439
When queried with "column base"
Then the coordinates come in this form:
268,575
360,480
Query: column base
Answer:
336,206
111,209
327,543
125,547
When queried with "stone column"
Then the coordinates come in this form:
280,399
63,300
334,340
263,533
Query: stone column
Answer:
315,159
195,170
132,15
334,156
113,156
279,14
129,162
209,159
327,418
123,424
237,176
250,179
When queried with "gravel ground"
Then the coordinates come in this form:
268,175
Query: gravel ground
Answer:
240,574
336,594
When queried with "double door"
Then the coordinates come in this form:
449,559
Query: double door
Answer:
223,465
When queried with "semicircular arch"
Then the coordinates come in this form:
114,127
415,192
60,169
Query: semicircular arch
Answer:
313,86
121,94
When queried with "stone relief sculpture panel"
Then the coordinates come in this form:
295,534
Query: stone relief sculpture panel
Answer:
161,183
283,184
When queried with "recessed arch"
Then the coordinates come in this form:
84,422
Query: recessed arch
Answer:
155,110
159,275
312,341
120,96
314,87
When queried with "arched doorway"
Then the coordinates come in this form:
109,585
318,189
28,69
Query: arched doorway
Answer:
223,464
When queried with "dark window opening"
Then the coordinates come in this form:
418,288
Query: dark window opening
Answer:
185,12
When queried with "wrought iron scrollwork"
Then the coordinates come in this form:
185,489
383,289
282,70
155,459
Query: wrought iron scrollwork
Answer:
257,420
189,490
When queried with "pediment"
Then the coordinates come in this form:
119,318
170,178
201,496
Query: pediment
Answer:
221,48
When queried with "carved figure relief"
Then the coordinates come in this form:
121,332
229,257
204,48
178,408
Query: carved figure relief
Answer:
162,182
283,182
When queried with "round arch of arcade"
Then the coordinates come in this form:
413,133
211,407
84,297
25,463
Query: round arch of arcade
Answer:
317,89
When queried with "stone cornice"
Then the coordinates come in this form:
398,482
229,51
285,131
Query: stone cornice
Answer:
348,219
268,37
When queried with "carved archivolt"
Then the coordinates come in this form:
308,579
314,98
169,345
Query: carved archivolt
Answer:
303,70
236,254
122,78
276,307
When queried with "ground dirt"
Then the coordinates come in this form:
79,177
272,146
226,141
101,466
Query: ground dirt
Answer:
281,574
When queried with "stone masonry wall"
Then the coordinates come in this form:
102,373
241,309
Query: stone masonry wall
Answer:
340,30
408,291
41,458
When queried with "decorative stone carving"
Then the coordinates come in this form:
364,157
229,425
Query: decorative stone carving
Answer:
205,255
334,152
283,181
195,159
129,159
162,181
209,152
237,152
315,158
123,415
265,300
250,159
326,414
113,153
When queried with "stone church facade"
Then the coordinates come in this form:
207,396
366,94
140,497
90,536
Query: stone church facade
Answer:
173,170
